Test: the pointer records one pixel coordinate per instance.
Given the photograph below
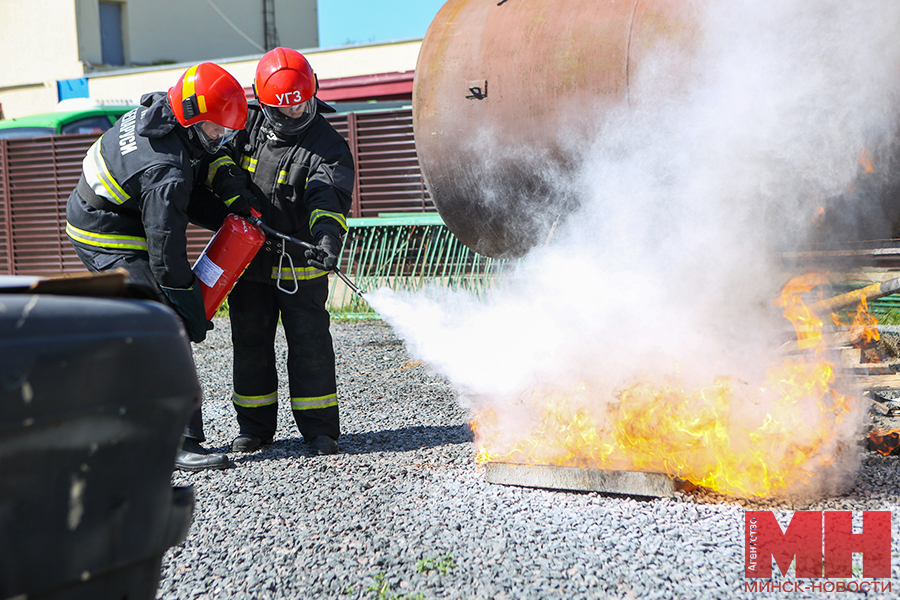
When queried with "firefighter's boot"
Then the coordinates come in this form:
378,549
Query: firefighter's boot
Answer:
246,443
194,457
323,444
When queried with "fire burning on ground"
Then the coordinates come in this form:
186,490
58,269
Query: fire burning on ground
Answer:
728,435
682,197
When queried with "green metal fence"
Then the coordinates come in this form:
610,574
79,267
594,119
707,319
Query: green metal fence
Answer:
404,251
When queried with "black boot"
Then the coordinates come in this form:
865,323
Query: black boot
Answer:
323,444
246,443
194,457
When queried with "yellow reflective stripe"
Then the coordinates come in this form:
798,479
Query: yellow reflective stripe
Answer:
99,178
282,177
311,403
248,163
303,273
254,401
319,214
105,240
214,168
231,200
187,88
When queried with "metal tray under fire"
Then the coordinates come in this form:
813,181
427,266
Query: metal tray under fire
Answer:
628,483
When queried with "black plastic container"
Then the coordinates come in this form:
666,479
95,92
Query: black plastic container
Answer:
94,397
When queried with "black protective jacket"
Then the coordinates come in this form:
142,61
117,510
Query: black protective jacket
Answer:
137,181
303,186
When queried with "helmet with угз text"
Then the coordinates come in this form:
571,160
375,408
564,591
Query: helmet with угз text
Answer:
286,86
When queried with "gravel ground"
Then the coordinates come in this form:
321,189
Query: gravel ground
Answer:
403,512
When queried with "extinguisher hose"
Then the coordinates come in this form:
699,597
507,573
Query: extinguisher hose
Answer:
257,221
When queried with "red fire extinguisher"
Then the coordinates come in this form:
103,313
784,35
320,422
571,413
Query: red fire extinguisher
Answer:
225,258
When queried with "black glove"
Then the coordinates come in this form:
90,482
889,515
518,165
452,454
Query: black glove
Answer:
188,303
229,182
325,255
240,204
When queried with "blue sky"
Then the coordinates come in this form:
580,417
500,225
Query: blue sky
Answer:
343,22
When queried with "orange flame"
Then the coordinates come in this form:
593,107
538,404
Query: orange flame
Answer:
718,435
866,161
819,216
807,325
863,326
885,441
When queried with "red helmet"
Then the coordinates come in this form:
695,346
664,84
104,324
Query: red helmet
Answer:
207,92
285,79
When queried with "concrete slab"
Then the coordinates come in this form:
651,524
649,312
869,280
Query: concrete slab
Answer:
629,483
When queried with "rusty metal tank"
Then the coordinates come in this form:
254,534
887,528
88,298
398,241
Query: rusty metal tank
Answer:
501,99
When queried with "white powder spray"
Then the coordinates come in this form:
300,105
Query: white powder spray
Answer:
670,269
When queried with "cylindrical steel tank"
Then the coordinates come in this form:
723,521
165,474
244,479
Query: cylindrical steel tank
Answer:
501,93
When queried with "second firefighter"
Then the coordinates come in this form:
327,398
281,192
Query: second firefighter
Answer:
301,172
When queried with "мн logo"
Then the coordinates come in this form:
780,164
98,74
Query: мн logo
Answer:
821,542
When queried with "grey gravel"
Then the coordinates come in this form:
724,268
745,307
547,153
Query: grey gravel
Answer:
403,512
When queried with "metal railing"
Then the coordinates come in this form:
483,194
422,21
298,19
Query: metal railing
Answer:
404,252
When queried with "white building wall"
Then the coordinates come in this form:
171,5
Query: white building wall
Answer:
328,64
193,31
44,41
39,45
394,57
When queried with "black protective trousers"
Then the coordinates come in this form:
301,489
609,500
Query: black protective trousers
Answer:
254,310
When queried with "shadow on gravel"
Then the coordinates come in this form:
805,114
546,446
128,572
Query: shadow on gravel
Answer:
390,440
405,439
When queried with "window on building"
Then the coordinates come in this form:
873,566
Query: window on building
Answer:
111,33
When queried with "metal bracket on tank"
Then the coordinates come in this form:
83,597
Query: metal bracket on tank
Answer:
477,89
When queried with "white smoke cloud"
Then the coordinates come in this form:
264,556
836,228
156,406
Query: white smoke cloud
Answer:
688,193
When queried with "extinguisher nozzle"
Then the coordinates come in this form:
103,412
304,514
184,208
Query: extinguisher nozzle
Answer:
349,283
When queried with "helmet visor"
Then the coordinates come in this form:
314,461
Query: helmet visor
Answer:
213,136
290,120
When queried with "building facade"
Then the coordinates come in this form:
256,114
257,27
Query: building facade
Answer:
375,72
64,49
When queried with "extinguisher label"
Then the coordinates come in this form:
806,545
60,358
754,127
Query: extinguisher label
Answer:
207,271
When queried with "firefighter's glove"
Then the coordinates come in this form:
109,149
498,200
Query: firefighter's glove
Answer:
240,204
325,255
188,303
229,182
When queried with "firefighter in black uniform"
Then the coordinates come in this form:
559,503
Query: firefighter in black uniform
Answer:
301,173
130,208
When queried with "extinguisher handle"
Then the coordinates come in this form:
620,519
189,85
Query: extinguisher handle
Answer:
255,212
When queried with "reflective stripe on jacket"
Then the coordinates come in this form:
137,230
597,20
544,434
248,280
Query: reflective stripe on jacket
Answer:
110,241
99,178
